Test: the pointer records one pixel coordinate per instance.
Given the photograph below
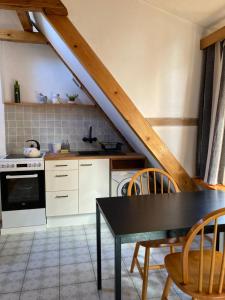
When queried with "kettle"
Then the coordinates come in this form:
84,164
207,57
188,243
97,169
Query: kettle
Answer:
33,150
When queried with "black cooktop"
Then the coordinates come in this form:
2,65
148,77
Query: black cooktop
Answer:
20,156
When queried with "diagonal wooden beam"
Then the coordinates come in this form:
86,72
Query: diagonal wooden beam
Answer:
120,100
54,7
22,37
25,20
212,38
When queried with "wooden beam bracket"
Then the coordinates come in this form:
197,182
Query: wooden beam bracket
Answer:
22,37
49,7
25,20
212,38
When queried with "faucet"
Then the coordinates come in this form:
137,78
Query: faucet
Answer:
90,139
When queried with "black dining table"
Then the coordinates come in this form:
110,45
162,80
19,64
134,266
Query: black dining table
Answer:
151,217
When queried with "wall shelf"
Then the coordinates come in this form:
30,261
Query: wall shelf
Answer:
49,104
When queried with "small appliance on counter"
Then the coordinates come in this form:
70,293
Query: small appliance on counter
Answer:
33,150
22,191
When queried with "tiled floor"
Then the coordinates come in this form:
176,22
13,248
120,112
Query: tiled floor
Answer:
61,264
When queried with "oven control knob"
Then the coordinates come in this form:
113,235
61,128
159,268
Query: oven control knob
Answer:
39,164
34,165
8,166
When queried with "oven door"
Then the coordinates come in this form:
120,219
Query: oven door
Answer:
22,190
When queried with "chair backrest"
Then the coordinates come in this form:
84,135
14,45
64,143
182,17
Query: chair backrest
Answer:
209,276
152,180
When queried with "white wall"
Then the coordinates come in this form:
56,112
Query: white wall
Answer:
2,120
36,67
155,57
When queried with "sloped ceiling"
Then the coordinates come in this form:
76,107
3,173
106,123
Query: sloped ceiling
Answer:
206,13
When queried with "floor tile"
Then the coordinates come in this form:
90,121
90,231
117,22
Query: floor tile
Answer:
10,296
41,278
155,285
106,253
69,292
18,244
13,263
3,238
77,273
74,256
129,292
20,237
46,234
108,269
61,264
43,259
70,243
84,291
11,282
43,294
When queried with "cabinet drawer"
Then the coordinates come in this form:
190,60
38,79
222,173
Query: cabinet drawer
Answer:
61,165
61,180
61,203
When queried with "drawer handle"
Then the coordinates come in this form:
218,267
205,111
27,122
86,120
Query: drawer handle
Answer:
66,196
61,175
85,165
61,166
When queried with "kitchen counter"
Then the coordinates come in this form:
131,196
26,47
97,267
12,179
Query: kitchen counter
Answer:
76,155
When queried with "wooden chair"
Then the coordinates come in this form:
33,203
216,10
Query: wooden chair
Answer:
154,181
198,273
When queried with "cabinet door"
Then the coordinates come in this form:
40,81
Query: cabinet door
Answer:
61,203
93,183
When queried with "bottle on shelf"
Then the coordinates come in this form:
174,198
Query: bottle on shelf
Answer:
17,92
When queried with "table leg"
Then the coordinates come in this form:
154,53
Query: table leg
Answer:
99,262
117,268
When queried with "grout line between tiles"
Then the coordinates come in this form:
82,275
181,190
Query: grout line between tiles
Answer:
26,268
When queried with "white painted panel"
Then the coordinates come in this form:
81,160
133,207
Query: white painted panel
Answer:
93,183
21,218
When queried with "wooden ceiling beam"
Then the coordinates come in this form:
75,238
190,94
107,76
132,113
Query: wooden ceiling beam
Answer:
212,38
22,37
50,7
172,121
25,20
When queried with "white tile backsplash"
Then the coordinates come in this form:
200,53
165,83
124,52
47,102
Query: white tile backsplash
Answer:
55,124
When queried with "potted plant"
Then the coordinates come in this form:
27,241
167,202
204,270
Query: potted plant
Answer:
72,98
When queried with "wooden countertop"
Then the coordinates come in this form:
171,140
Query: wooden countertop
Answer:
75,155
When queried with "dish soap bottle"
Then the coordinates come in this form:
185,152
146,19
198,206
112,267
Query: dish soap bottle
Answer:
16,92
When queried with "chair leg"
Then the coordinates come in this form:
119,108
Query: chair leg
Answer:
145,277
172,249
137,246
167,288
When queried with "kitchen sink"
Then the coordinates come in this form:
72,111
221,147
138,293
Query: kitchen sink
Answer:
96,152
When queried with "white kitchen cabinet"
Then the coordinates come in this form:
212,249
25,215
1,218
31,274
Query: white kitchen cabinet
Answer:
61,203
61,165
93,183
61,180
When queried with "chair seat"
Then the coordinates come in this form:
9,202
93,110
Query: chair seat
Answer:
173,263
177,241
